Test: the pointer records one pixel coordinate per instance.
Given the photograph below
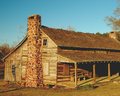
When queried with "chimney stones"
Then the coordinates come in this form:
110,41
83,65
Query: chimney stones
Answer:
34,72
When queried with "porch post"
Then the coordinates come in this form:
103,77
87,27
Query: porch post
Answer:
75,74
94,73
57,74
109,71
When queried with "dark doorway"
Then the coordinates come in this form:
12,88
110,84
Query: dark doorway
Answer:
63,69
115,68
101,69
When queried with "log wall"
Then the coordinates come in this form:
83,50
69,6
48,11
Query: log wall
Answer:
19,59
49,61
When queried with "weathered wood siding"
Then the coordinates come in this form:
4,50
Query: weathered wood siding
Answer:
49,61
19,59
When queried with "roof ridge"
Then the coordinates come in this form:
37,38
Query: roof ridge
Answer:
72,31
61,29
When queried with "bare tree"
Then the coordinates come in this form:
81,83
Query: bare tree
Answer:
70,28
5,49
114,21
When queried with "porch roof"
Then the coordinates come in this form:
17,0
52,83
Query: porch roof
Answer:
82,56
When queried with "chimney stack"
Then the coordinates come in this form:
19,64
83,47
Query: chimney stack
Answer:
34,24
113,35
34,73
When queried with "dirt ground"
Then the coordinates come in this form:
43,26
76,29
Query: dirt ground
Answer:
109,89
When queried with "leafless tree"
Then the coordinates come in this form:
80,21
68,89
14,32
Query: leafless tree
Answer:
114,21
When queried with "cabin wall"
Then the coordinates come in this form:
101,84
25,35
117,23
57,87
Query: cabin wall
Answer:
19,59
49,61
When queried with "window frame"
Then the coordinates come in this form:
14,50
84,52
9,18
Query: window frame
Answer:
45,42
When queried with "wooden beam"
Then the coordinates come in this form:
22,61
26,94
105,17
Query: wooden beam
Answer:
109,73
57,73
75,74
94,73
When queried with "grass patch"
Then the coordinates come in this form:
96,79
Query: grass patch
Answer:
109,89
86,87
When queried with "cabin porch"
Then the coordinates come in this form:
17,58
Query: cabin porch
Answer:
82,73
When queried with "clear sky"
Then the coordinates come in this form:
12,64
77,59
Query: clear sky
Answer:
82,15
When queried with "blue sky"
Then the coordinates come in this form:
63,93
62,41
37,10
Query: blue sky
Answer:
82,15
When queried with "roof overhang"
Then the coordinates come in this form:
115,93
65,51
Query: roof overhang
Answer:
25,38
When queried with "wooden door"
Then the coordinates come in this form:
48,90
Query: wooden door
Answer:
65,69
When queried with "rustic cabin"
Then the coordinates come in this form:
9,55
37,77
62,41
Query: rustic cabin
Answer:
61,57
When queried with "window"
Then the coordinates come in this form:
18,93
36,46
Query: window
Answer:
23,72
45,42
13,70
46,69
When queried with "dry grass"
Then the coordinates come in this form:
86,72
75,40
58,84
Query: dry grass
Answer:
110,89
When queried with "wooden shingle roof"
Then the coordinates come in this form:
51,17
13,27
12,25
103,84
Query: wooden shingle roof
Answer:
78,39
83,56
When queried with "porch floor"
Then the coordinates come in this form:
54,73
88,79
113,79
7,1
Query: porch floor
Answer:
71,84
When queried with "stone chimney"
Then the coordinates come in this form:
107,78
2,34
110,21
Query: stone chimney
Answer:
113,35
34,72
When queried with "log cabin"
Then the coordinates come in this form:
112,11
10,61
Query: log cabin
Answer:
49,56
